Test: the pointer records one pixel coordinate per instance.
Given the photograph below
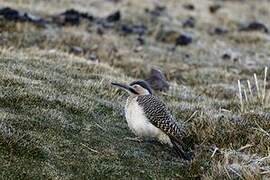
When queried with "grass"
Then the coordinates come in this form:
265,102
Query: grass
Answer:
61,119
260,96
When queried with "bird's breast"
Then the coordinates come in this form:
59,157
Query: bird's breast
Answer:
137,121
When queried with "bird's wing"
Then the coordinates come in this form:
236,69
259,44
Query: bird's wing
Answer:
156,111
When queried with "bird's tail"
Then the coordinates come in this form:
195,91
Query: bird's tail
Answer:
179,150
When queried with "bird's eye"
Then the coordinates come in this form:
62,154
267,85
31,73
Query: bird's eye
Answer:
135,86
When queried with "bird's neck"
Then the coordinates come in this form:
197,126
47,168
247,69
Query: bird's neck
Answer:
130,99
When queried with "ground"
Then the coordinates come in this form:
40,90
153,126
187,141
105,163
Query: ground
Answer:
61,119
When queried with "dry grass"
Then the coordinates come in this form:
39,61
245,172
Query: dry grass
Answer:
259,96
60,118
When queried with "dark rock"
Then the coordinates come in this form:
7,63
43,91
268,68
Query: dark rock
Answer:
157,11
141,40
231,54
189,7
87,16
72,17
186,55
76,50
133,29
109,21
219,31
226,56
114,17
157,80
11,14
214,8
127,29
183,40
254,26
139,29
93,57
14,15
189,22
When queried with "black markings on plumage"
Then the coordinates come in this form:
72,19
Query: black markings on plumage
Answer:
156,111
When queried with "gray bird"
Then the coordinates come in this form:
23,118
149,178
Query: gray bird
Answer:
148,117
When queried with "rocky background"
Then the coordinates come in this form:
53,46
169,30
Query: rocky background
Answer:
61,119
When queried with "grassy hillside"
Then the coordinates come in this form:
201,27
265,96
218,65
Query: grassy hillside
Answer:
61,119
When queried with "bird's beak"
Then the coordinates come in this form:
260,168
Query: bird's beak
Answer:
125,87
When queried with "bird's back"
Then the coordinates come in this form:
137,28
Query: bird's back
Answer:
158,114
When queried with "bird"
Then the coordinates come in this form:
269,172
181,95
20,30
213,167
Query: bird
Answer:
148,117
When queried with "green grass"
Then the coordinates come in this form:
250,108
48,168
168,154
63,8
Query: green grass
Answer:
61,119
53,120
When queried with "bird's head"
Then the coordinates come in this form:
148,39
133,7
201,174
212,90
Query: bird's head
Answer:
136,88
